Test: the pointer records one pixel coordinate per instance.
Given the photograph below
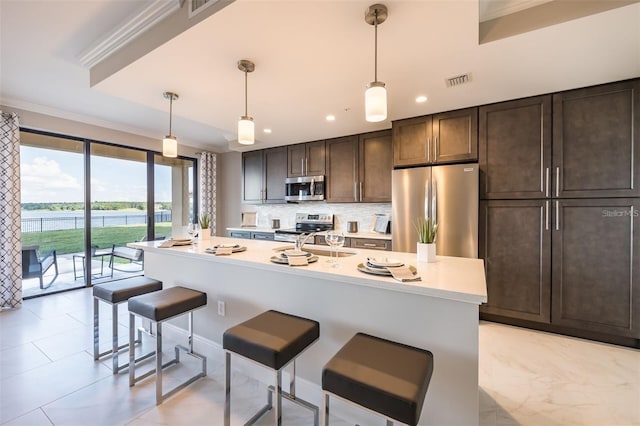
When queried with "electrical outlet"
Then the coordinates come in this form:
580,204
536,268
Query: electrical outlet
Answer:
221,308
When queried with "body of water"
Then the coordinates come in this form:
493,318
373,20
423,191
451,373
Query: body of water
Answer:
41,221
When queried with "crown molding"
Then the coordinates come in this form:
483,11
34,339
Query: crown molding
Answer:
136,25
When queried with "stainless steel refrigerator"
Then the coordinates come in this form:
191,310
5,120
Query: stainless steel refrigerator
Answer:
449,195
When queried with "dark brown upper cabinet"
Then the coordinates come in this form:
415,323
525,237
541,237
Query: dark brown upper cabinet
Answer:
306,159
359,168
412,141
515,149
450,137
342,170
375,165
596,152
263,175
455,136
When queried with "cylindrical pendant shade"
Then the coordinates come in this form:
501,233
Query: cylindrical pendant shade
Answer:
170,146
246,130
375,102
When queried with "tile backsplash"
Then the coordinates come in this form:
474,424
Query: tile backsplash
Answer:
342,213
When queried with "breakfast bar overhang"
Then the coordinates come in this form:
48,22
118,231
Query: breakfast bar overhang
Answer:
438,313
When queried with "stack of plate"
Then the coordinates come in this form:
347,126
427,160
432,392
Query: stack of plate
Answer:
181,241
380,266
283,257
235,248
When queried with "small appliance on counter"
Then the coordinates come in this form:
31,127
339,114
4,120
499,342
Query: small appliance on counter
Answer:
305,223
352,227
275,223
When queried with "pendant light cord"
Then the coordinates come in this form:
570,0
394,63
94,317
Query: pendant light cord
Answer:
375,61
170,112
245,93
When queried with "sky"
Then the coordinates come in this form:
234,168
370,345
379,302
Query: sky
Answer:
57,176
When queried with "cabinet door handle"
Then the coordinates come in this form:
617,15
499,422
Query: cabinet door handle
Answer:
557,181
355,191
428,149
435,156
360,191
369,245
546,221
306,165
302,166
557,216
546,189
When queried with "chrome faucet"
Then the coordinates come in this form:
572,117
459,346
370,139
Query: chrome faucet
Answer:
302,239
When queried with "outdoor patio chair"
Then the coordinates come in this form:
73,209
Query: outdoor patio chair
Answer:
131,254
34,266
94,254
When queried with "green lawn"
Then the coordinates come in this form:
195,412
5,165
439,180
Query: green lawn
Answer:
71,241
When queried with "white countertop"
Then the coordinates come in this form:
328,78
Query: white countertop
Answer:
361,234
452,278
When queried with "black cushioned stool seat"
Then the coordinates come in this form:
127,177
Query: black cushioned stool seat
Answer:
114,293
158,307
386,377
272,339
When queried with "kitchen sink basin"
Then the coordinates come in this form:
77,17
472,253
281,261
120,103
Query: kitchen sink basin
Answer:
319,250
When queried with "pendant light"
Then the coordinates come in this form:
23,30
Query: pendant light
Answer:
375,97
170,143
246,128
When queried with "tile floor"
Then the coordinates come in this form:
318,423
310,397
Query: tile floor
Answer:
48,376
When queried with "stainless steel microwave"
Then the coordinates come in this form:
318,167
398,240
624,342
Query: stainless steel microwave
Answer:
305,188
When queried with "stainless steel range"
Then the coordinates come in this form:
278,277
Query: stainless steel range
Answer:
305,223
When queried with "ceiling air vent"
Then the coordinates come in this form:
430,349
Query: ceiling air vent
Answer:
458,80
197,6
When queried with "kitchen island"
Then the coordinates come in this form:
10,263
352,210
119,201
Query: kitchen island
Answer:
439,313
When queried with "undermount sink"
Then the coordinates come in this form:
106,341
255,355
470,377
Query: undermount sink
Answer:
320,251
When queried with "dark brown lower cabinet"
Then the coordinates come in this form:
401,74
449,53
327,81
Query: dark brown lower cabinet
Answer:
596,266
569,266
515,243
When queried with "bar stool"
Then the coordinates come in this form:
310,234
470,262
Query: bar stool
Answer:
114,293
158,307
272,339
385,377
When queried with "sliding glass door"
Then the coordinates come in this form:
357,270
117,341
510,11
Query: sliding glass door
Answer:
52,196
133,194
118,210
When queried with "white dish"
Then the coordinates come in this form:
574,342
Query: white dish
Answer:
292,252
380,271
283,259
235,249
384,262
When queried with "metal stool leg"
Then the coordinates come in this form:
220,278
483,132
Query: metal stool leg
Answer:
325,409
227,389
96,329
114,337
158,363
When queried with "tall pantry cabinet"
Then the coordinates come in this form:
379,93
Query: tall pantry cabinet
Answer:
560,206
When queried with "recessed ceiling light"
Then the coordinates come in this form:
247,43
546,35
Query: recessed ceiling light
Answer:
267,130
421,99
331,117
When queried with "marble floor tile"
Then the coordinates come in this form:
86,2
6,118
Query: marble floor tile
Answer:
48,376
32,418
18,359
27,391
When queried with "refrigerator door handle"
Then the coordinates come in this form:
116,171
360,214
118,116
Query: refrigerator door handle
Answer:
427,197
434,201
546,225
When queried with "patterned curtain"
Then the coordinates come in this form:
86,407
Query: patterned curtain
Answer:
207,184
10,253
